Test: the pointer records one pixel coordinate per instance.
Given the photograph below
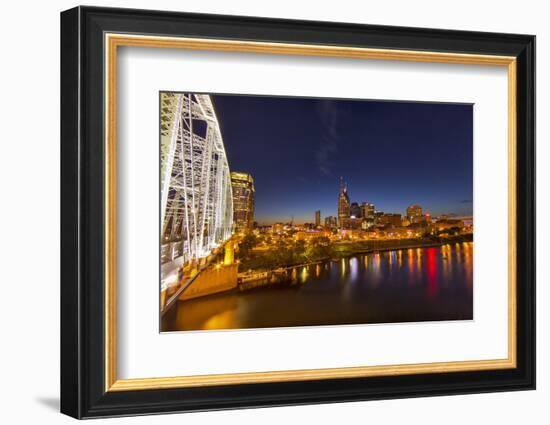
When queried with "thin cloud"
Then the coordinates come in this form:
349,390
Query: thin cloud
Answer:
330,116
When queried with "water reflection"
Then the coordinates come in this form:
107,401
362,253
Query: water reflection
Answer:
304,275
354,268
397,286
432,287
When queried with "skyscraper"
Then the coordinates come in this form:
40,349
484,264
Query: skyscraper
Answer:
243,201
318,217
414,213
367,210
390,218
343,206
355,210
331,222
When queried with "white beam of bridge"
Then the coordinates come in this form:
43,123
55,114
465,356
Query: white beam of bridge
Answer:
196,196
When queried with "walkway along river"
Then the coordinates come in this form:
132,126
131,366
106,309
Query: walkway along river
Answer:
407,285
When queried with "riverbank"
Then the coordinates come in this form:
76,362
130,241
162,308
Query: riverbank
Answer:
288,256
394,245
285,273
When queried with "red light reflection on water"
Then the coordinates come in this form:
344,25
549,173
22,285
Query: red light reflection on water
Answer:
432,289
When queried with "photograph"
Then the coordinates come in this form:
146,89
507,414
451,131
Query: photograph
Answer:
301,209
298,211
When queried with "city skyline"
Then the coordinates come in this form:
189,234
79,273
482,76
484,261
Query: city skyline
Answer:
312,218
296,149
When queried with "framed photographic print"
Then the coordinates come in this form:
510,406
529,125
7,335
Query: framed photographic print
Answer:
261,212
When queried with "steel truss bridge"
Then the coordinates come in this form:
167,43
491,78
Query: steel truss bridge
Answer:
196,196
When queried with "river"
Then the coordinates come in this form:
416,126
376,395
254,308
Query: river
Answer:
408,285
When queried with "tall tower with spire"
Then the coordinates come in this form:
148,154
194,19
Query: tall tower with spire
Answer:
343,206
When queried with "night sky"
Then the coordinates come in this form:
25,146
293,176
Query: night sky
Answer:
391,154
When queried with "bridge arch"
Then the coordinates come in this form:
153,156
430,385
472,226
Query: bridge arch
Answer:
196,204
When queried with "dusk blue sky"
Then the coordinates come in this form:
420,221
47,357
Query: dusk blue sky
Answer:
391,154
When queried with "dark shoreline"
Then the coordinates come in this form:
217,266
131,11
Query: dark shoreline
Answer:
377,246
414,245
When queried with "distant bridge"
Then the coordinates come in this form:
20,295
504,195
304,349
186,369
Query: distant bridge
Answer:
196,203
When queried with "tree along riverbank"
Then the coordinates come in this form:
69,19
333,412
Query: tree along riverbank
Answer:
290,253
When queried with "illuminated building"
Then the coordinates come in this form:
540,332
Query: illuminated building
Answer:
278,228
343,206
288,226
367,213
388,218
311,234
243,201
331,222
355,223
318,218
414,214
366,224
367,210
448,224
